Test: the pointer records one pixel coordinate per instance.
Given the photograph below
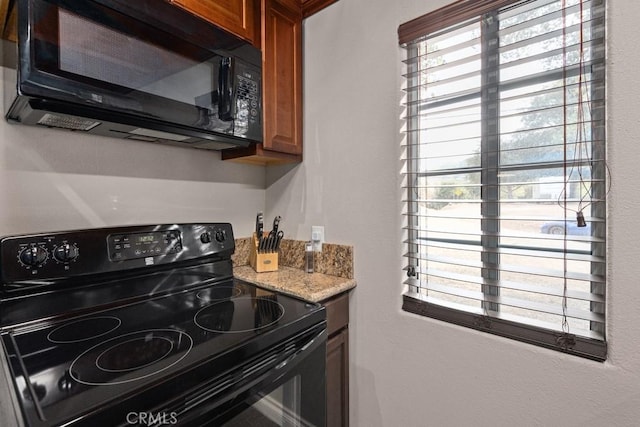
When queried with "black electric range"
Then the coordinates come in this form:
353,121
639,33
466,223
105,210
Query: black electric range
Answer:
143,325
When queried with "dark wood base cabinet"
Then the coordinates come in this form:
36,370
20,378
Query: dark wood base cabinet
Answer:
338,360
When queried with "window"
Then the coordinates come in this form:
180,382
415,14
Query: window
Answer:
505,171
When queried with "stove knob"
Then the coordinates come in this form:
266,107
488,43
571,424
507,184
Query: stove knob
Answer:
65,252
33,256
220,236
205,237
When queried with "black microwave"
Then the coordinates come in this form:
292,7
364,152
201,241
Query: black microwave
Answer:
143,70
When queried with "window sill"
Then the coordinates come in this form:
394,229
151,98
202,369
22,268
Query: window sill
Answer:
590,348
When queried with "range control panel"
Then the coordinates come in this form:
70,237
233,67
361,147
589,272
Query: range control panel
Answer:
103,250
140,245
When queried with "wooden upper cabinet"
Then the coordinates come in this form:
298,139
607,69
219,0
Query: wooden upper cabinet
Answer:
236,16
8,17
281,87
281,44
282,77
309,7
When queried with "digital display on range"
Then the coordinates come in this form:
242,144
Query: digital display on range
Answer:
142,245
146,238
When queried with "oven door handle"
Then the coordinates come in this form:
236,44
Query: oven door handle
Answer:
296,357
191,411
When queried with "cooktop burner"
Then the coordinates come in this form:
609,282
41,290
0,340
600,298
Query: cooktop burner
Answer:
130,357
243,314
84,329
218,293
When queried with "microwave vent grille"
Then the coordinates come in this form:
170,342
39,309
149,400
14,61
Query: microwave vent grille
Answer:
67,122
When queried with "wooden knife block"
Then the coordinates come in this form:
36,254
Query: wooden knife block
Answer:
262,262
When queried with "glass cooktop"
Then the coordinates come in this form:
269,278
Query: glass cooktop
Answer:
70,366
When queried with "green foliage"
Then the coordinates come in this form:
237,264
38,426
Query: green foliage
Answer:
453,191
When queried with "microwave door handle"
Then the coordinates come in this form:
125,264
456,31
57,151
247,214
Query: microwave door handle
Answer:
225,90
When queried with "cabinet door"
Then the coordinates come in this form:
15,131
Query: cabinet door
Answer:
338,379
282,76
9,19
236,16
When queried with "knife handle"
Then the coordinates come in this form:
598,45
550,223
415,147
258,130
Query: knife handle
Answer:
259,225
276,224
261,243
279,237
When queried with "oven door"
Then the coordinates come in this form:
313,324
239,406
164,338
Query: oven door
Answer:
281,387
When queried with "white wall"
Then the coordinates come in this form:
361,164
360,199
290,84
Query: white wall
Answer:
406,370
411,371
58,180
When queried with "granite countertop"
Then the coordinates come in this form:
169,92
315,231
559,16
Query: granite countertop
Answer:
333,270
313,287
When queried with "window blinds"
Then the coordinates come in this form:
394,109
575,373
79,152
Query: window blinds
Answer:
504,155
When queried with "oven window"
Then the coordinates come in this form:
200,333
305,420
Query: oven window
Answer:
281,407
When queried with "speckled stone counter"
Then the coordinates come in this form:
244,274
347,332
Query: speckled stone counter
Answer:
313,287
334,260
333,270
